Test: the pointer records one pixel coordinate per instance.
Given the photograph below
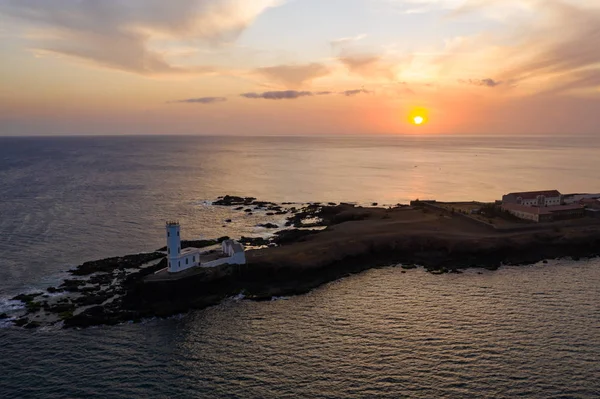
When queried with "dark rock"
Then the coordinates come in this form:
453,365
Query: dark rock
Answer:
270,214
231,200
3,316
254,241
32,324
60,308
110,264
408,267
26,298
101,279
53,290
545,261
331,204
20,322
95,299
33,306
268,225
86,290
248,210
228,220
443,270
72,285
239,208
374,204
284,237
65,315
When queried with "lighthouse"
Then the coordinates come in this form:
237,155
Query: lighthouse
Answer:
178,259
173,245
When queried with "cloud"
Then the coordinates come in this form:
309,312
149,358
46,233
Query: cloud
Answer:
369,66
278,95
119,34
351,93
294,75
573,56
337,43
482,82
421,6
200,100
555,52
293,94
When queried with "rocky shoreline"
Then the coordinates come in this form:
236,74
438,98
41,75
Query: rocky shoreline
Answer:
296,260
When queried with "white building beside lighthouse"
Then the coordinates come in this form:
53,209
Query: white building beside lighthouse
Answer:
232,252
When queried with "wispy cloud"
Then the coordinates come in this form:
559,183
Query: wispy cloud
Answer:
556,52
342,41
294,75
293,94
200,100
421,6
350,93
481,82
118,34
369,65
278,95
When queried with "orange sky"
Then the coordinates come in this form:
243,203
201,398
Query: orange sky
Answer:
299,67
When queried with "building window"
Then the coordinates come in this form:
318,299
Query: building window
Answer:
169,265
169,251
194,259
177,234
186,260
168,234
179,263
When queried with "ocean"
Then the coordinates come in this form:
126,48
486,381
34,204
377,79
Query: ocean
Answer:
529,331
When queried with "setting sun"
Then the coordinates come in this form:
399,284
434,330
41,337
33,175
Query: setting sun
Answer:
418,116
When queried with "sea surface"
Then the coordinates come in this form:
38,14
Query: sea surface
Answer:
530,331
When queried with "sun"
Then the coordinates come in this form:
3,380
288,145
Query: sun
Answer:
418,116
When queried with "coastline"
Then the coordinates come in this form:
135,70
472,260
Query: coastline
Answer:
354,239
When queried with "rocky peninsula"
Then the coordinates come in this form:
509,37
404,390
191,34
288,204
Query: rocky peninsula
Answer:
320,243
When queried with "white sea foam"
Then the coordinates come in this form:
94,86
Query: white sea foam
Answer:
6,323
238,297
7,305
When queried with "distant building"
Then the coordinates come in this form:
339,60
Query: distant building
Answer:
534,198
577,198
545,213
591,203
232,252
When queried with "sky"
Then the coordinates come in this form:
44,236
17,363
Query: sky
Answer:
299,67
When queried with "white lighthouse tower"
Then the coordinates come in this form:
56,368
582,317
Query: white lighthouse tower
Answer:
173,245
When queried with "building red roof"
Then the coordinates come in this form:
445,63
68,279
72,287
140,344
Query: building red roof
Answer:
535,194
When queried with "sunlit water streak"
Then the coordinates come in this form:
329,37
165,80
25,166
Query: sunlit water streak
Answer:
518,332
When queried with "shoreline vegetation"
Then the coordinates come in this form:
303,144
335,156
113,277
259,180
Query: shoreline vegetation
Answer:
320,243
